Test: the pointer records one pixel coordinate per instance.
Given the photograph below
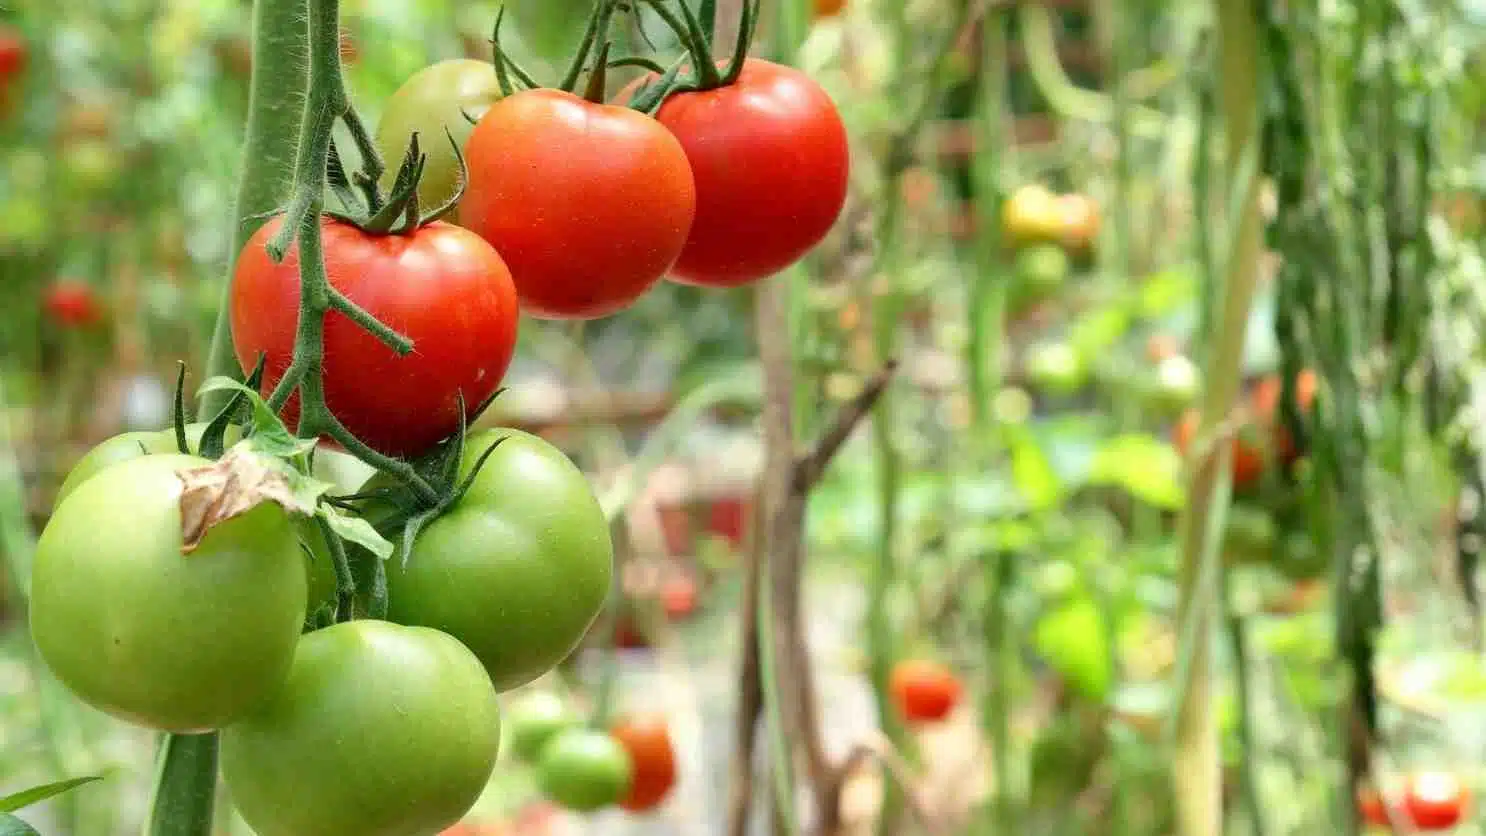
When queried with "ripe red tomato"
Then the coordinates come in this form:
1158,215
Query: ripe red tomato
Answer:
72,303
924,690
770,159
678,597
588,203
828,8
13,52
1435,800
728,518
1371,808
652,760
1248,458
441,286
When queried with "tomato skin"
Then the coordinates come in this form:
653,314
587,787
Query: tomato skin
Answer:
429,103
584,770
183,643
380,729
647,739
441,287
13,53
73,304
533,721
770,158
923,690
519,568
1435,800
588,203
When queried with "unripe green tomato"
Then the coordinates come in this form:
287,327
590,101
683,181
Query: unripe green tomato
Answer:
133,445
428,103
1074,640
140,630
518,568
533,721
380,729
1040,270
584,770
1174,385
1056,368
90,165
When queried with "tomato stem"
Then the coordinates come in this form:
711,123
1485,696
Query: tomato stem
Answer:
598,79
596,32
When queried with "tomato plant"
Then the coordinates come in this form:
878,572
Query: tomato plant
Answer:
770,159
647,740
584,770
380,728
533,721
924,690
72,304
136,628
588,203
432,101
518,568
440,286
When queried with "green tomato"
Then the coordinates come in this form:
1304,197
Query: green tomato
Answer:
1041,270
584,770
429,103
1074,641
533,721
137,629
381,730
1174,385
90,165
1056,368
518,568
133,445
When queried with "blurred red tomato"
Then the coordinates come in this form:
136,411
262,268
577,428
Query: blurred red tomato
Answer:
647,740
72,304
828,8
728,518
678,597
13,52
1435,800
924,690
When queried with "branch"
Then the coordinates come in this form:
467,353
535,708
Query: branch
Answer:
809,468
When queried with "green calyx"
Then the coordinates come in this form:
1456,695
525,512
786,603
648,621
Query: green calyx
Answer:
695,32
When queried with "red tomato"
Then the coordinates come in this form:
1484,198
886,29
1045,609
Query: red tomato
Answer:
13,52
678,597
1371,808
770,159
72,304
728,517
828,8
924,691
588,203
441,287
1248,459
652,760
1435,800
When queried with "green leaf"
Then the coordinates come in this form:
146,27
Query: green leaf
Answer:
355,530
1148,468
1033,474
12,826
269,435
27,797
1074,641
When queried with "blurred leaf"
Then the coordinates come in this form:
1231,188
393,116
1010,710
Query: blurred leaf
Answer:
1074,641
27,797
1096,331
1169,291
1036,481
355,530
12,826
1147,467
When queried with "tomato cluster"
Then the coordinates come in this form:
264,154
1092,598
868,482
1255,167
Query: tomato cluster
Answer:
1427,802
1047,231
632,765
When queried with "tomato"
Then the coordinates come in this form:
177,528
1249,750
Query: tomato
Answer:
13,52
380,729
1056,368
1248,457
1040,270
588,203
678,597
1371,807
1435,800
72,303
431,101
519,568
533,720
1265,402
1030,215
770,158
728,517
827,8
1174,384
183,643
652,759
923,690
584,770
1078,220
441,286
132,445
